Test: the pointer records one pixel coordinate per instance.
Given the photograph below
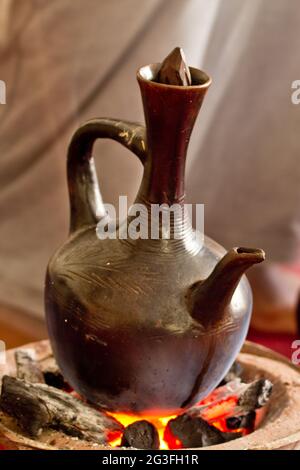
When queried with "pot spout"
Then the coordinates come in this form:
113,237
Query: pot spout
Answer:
210,298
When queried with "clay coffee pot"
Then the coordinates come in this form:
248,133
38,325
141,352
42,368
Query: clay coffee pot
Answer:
145,325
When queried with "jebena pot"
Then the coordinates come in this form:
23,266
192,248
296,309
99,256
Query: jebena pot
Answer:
145,325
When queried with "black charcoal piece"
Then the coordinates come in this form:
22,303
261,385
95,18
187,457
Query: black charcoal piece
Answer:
195,432
27,367
141,435
56,380
38,406
234,372
53,375
242,421
256,395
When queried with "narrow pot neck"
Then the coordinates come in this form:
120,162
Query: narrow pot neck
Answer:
170,114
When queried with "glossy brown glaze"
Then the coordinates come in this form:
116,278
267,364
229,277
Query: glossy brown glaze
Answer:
146,325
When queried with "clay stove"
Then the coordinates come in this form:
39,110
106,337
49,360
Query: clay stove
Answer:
276,424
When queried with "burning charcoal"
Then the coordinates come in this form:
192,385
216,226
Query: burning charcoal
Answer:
232,406
243,421
233,399
256,395
141,435
30,370
174,70
227,395
38,406
187,431
27,367
234,372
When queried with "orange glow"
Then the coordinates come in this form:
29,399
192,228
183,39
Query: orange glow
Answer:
212,409
220,409
159,422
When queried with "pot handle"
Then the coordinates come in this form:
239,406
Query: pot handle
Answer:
85,198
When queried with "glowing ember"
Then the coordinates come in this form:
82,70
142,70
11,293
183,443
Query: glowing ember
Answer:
210,409
159,423
219,410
